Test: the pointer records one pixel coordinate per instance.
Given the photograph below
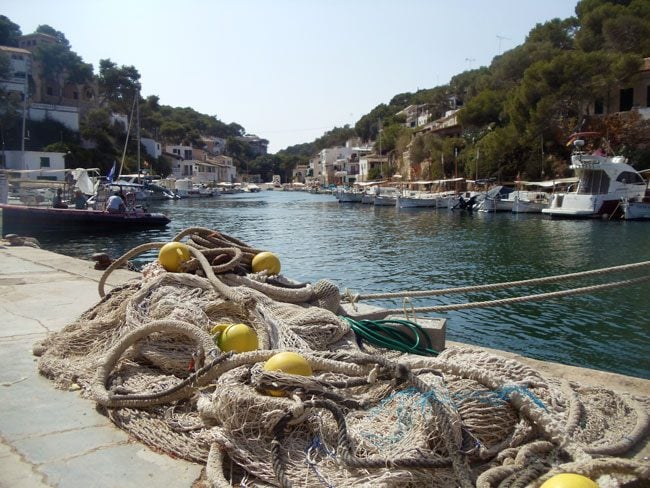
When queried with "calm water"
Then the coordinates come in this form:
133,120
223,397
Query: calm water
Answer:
370,250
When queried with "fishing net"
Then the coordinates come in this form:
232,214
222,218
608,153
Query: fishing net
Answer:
366,417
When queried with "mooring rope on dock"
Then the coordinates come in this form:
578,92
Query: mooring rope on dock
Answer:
354,298
527,298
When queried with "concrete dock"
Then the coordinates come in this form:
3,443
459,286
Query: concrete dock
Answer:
49,437
53,438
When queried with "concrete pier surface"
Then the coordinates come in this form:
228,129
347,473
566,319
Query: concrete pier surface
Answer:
49,437
53,438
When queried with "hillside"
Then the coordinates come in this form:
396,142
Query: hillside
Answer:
516,114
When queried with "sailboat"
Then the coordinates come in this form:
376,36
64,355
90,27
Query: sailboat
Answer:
142,186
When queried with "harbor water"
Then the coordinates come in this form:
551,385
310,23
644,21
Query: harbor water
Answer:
369,249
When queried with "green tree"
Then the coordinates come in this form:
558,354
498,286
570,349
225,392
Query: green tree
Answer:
51,31
173,131
487,107
9,32
118,85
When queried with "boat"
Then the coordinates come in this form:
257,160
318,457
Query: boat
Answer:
497,199
416,199
16,217
534,201
150,187
346,195
637,209
186,188
252,188
604,182
386,197
633,210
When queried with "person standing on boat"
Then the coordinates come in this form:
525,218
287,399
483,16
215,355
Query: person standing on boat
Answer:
57,201
80,202
115,204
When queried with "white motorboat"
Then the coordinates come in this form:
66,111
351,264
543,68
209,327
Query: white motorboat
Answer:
386,197
252,188
497,199
603,183
416,199
434,195
534,201
529,201
344,195
186,188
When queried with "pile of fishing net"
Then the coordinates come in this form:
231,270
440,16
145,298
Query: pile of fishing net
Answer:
366,417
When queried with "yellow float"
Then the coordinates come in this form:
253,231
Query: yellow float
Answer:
287,362
235,337
569,480
172,255
266,261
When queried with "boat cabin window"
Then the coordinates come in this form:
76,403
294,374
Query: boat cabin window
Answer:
630,177
593,182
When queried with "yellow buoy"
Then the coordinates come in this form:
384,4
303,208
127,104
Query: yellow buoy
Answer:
236,337
266,261
287,362
172,255
569,480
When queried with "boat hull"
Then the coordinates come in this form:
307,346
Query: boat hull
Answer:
20,217
636,210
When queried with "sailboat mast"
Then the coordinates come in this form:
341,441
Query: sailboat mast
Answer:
137,116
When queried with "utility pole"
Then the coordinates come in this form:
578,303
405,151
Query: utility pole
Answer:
470,61
501,38
24,127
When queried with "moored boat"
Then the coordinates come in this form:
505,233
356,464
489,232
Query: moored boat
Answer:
633,210
603,182
26,217
498,199
348,196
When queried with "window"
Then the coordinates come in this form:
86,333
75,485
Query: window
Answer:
45,162
627,99
75,95
593,182
49,90
630,177
599,106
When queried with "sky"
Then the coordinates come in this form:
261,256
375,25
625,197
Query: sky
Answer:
288,70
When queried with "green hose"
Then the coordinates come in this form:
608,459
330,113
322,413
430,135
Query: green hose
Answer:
384,333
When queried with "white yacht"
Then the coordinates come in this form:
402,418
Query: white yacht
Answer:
604,182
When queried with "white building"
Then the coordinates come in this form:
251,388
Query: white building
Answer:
20,67
330,161
152,147
185,152
66,115
219,169
39,165
369,162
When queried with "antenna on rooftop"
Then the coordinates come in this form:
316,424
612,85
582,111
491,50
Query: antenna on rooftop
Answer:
501,38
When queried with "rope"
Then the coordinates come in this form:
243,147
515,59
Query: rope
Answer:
528,298
349,296
388,334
